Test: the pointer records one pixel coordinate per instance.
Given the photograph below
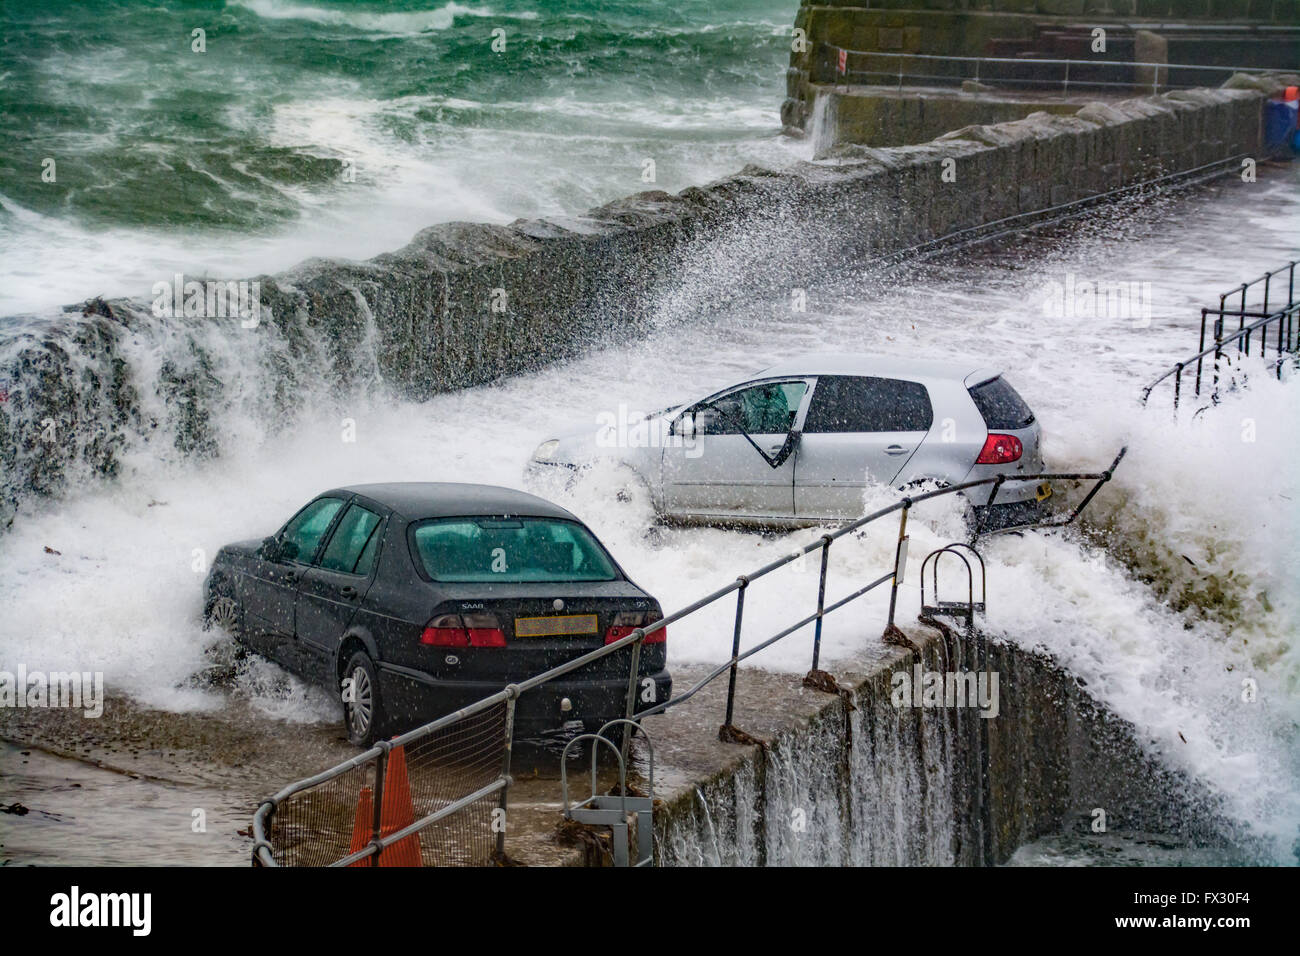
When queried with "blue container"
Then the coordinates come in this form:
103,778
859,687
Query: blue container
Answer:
1279,124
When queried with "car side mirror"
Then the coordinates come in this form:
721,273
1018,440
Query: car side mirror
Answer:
685,426
276,550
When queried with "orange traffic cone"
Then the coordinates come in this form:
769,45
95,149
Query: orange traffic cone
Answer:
398,812
361,826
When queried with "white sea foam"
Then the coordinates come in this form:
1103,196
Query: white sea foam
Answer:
403,23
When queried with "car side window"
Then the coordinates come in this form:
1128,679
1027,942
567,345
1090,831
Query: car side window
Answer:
302,534
768,408
855,403
366,563
351,541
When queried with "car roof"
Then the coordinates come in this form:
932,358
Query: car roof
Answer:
881,366
447,499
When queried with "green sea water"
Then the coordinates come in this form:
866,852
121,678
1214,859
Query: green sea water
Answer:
322,127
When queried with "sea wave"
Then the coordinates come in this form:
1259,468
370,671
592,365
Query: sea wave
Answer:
403,23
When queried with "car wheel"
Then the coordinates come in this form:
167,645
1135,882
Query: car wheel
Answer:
226,650
622,486
363,714
223,615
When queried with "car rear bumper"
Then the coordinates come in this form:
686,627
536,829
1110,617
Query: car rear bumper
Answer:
412,698
1011,492
1010,514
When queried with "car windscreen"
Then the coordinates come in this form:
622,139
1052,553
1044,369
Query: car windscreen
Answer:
1001,405
485,550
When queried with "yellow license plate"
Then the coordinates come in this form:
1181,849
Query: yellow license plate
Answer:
1044,491
555,626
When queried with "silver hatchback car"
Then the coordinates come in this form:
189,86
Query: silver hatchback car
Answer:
799,443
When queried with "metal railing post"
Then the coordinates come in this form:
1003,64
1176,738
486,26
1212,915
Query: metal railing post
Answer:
1280,321
821,600
735,649
900,555
981,516
1218,354
631,692
504,804
1241,318
376,827
1200,348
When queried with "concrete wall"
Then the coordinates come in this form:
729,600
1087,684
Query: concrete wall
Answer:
882,785
970,28
88,388
882,117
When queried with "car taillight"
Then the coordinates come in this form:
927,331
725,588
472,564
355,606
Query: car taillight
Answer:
471,630
625,622
1000,450
484,630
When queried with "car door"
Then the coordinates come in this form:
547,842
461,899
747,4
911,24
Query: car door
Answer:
271,591
332,589
859,430
737,462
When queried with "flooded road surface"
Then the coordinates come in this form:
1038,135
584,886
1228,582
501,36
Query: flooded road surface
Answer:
79,814
139,786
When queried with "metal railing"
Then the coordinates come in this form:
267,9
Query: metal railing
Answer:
1253,321
835,64
314,813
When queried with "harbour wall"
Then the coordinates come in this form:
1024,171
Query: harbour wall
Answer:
86,389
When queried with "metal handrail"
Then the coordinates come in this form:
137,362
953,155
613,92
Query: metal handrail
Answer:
1050,60
262,851
1264,317
1159,76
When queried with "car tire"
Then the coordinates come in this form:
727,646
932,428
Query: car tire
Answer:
363,716
226,649
223,615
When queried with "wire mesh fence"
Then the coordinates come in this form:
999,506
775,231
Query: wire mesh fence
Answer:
425,799
315,826
445,767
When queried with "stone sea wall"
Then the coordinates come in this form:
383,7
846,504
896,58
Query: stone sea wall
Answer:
91,390
883,785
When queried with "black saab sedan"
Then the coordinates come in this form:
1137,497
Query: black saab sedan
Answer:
412,600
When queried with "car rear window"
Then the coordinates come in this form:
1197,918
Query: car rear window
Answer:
1001,405
484,550
858,403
